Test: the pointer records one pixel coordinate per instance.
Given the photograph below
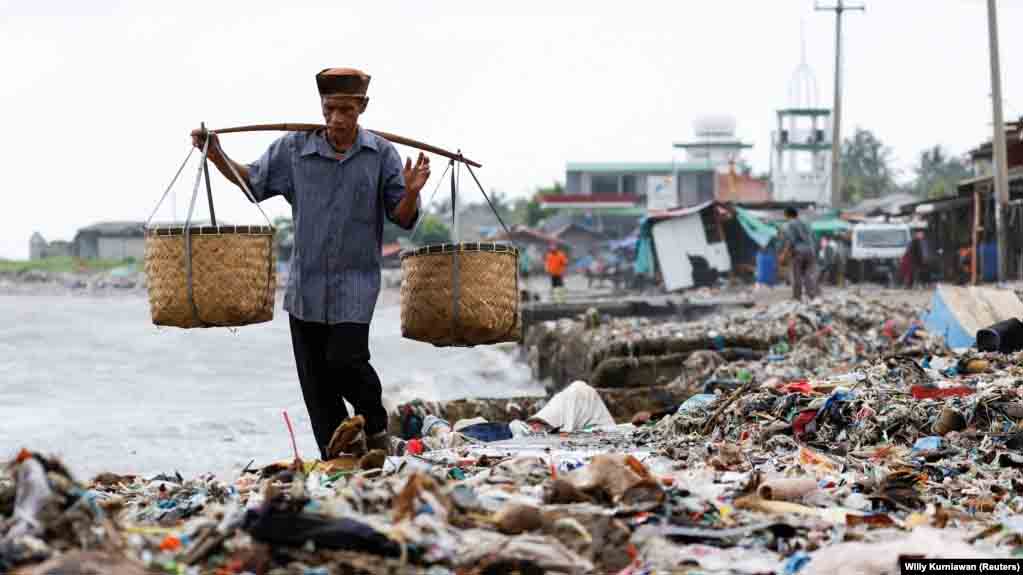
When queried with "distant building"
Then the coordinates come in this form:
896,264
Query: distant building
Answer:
801,156
476,222
36,247
713,169
59,248
581,239
716,144
611,186
533,242
982,157
801,145
39,248
741,188
615,224
961,230
111,241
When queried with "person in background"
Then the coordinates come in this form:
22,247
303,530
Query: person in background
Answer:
524,263
595,271
828,258
842,258
913,261
924,268
965,265
801,251
555,263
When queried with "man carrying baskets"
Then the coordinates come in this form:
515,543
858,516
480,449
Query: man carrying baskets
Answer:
341,182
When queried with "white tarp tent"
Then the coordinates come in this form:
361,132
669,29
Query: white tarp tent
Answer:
679,234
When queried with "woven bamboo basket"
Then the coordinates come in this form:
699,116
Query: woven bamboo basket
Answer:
463,294
214,276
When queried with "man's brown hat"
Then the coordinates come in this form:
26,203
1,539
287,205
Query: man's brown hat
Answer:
344,81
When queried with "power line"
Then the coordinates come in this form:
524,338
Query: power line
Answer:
836,112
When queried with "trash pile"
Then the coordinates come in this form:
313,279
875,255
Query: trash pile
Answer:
858,442
822,336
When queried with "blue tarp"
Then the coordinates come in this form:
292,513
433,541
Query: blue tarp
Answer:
644,264
989,261
942,320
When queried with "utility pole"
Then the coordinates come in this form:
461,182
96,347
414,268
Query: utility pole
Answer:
1001,175
836,112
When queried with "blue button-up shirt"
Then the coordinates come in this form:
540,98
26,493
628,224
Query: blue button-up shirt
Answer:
338,206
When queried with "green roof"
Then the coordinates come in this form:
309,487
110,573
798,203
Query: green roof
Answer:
804,112
808,147
638,167
724,144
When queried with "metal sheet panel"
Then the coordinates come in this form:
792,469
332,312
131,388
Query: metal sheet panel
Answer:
678,238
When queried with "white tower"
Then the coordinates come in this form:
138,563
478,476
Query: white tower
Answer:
715,143
801,146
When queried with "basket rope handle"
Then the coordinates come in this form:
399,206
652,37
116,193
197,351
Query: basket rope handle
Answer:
440,181
209,193
204,171
456,287
191,149
188,232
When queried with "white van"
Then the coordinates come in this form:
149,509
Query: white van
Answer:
879,241
876,251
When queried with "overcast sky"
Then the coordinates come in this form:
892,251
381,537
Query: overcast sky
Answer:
98,97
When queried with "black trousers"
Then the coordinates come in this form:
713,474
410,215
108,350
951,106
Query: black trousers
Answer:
333,365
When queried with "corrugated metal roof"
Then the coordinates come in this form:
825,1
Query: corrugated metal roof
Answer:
659,215
576,226
523,232
637,167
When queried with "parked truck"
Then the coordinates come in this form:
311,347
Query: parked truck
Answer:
876,250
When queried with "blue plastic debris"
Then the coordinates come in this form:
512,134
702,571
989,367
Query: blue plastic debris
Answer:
909,333
930,443
719,343
796,562
430,422
697,401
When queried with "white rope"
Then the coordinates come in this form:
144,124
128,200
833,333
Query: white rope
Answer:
171,185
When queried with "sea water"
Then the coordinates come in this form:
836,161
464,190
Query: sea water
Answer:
91,380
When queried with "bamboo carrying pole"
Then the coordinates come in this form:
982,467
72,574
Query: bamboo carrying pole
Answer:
299,127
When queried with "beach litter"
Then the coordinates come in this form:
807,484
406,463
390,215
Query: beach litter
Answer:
840,452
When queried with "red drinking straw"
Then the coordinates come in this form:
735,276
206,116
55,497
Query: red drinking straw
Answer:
291,432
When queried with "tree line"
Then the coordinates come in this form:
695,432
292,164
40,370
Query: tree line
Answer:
868,170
